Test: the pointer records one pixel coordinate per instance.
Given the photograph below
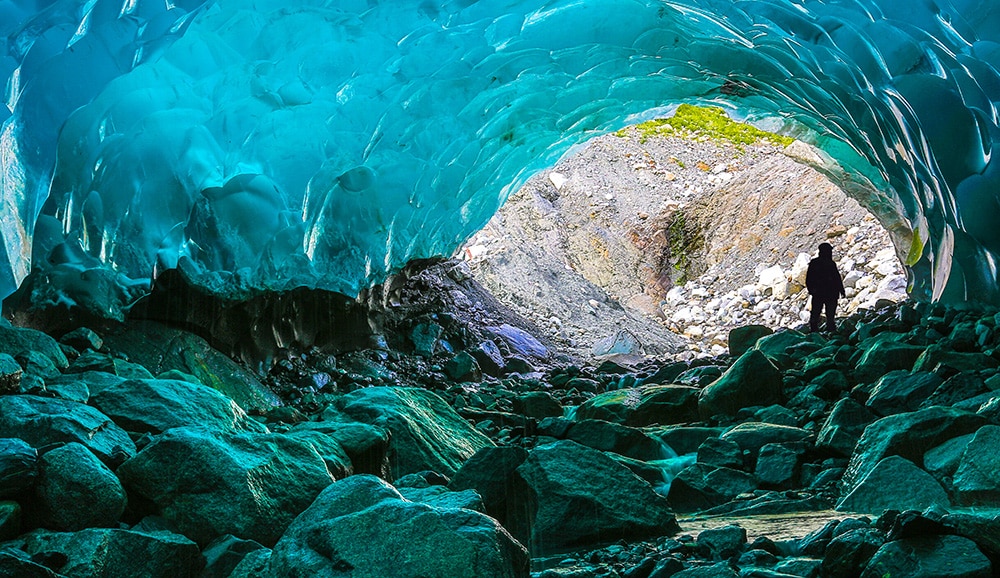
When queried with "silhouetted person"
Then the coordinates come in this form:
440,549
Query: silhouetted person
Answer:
825,285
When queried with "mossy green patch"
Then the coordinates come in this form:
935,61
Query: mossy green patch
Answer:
706,122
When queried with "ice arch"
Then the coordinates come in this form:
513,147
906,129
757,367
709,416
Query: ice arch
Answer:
273,144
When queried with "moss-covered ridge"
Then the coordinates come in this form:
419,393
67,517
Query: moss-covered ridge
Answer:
706,122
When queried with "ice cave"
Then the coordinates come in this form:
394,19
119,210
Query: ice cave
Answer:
270,145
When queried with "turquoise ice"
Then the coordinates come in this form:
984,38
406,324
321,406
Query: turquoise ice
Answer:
268,145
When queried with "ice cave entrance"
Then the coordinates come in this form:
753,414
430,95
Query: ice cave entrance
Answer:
693,222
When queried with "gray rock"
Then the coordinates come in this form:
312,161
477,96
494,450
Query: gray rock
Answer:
643,406
76,491
366,446
426,434
901,391
580,496
723,543
10,374
894,483
15,341
908,435
212,483
113,553
929,557
778,465
752,380
82,339
720,453
699,487
18,466
977,478
42,421
425,337
488,356
156,405
612,437
463,367
843,427
361,525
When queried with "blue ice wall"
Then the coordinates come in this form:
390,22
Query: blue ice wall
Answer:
265,145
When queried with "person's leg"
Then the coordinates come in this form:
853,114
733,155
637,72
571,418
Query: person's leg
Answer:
831,315
815,313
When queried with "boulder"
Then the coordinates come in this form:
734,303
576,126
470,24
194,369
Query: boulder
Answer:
894,483
160,348
699,487
684,439
491,473
76,491
956,389
778,465
114,553
847,554
366,446
901,391
579,496
538,404
10,374
211,483
778,347
15,341
224,554
977,479
752,380
18,466
442,497
426,434
908,435
10,521
463,367
364,528
41,421
751,436
929,557
17,564
742,339
718,570
885,356
720,453
156,405
723,543
938,356
843,427
643,406
612,437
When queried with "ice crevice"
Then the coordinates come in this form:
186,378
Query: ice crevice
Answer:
269,145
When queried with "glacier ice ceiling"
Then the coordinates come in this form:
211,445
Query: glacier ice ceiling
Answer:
269,145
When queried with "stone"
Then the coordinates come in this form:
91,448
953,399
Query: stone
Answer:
76,491
752,436
777,466
699,487
848,554
908,435
743,338
366,446
777,346
18,466
82,339
937,356
643,406
942,461
685,439
489,358
752,380
579,496
362,527
156,405
901,391
720,453
956,389
114,553
42,421
426,434
491,473
17,564
777,415
612,437
15,341
977,479
929,557
224,554
10,521
894,483
211,483
719,570
724,542
463,367
159,348
537,404
883,357
843,427
519,341
442,497
253,565
425,337
10,374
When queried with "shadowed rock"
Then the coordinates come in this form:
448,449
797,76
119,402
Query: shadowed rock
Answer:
752,380
894,483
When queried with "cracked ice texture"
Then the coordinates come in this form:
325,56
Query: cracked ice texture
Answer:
267,145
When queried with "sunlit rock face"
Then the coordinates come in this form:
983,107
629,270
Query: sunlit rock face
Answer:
267,145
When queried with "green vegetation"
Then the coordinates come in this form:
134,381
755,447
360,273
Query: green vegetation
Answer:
711,123
685,240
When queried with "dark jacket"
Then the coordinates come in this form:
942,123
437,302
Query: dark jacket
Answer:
823,279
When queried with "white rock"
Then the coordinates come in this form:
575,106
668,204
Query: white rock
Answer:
558,180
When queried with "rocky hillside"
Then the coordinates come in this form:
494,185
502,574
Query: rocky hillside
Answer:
650,231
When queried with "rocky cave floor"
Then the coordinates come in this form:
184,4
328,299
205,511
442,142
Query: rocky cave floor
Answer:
463,445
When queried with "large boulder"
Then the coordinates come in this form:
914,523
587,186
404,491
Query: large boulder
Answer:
908,435
579,496
16,341
76,491
160,349
362,527
642,406
18,466
848,553
901,391
620,439
884,356
843,427
492,473
751,436
366,446
113,553
41,421
742,339
156,405
210,483
977,480
753,380
894,483
426,434
700,486
929,557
